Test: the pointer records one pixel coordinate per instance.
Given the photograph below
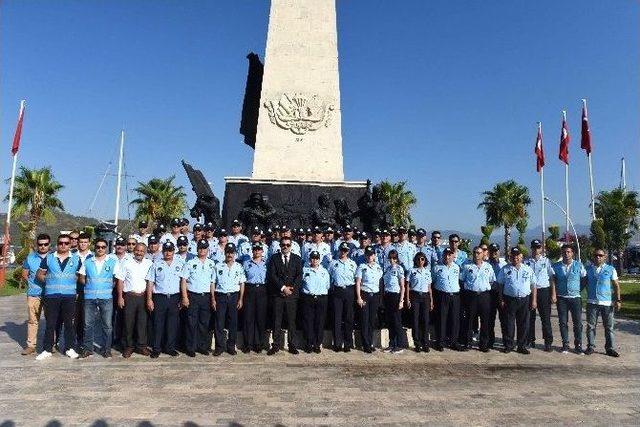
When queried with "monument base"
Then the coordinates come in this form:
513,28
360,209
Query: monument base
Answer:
293,201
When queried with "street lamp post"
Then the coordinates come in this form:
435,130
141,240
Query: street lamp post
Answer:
568,219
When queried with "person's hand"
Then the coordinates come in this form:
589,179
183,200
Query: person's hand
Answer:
554,299
618,305
534,304
213,304
409,304
239,305
185,302
502,304
431,306
150,305
360,302
400,304
287,291
121,302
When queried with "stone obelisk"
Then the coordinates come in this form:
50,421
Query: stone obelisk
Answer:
299,134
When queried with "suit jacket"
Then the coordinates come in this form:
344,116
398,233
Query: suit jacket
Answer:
278,275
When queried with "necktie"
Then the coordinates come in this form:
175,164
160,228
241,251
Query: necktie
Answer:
286,261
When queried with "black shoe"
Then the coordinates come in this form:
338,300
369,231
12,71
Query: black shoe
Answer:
232,351
438,347
190,353
565,349
217,352
418,349
532,344
523,350
337,348
272,351
578,350
425,348
204,352
246,350
611,352
547,348
588,351
258,350
107,354
293,350
308,349
317,350
154,354
458,347
173,353
484,349
507,350
85,354
347,348
367,350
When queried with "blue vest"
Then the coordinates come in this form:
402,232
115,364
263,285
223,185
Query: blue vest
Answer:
599,284
58,281
99,285
32,264
567,284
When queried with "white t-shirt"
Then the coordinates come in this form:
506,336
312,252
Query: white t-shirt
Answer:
134,274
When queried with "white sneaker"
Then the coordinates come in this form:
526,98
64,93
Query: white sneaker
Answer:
44,355
398,351
387,350
71,353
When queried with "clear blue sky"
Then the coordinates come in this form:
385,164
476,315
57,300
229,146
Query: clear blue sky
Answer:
444,94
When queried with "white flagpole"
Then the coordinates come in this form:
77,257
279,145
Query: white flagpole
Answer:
13,176
593,206
544,226
566,183
115,221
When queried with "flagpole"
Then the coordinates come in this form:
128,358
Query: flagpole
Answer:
544,226
566,185
7,238
115,220
593,207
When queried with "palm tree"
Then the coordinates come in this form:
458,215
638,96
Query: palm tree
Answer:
505,205
399,199
159,200
35,194
618,209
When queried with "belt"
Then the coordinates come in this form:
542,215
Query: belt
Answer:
313,296
135,294
448,293
255,285
369,293
158,294
226,293
419,292
476,292
199,293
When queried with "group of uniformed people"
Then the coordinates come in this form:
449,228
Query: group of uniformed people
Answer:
175,283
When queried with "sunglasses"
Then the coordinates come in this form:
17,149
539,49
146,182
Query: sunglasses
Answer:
599,255
286,245
131,244
455,241
74,238
101,247
43,244
63,243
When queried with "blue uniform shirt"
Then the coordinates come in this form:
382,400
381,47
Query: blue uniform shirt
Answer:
477,278
419,279
540,267
315,281
567,278
229,278
324,250
245,251
255,271
599,284
391,278
370,275
406,252
237,239
343,273
32,264
199,274
383,255
165,277
216,254
516,282
446,278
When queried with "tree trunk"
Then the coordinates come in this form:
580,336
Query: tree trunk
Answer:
507,240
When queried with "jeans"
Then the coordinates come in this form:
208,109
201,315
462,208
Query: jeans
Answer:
97,311
606,312
573,305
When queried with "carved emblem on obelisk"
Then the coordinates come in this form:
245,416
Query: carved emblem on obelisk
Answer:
300,113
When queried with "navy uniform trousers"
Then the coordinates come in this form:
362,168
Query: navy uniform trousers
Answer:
369,317
165,321
255,316
343,300
314,312
543,300
476,304
517,309
226,315
420,307
199,315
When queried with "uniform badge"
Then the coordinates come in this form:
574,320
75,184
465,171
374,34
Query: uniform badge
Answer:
159,269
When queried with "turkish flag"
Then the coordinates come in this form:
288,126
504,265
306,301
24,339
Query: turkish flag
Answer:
564,142
585,142
539,151
18,134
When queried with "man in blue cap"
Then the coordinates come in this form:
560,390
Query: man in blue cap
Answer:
227,299
163,300
545,295
197,285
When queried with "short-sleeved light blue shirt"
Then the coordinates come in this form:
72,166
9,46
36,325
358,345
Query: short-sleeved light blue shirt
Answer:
315,281
343,272
199,274
516,282
370,275
229,278
419,279
446,278
166,277
477,278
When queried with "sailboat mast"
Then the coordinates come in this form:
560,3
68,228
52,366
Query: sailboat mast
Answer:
119,182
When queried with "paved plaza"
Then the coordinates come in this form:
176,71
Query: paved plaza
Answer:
442,388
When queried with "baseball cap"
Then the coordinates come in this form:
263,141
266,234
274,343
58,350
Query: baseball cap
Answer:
182,241
120,241
344,246
203,244
168,246
535,243
229,247
152,239
314,254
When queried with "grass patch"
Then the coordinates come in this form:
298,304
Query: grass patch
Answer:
630,292
11,286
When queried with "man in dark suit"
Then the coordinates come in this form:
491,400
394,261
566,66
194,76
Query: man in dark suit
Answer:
284,276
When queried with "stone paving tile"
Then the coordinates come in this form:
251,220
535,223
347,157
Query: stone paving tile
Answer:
344,389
